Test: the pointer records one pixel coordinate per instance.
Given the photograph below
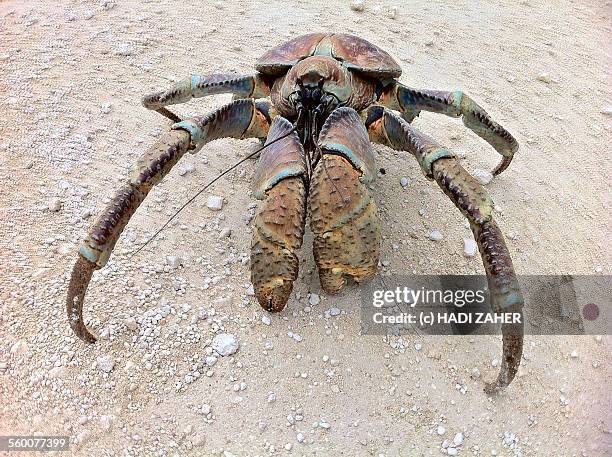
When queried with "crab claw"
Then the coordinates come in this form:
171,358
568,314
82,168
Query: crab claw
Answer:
81,275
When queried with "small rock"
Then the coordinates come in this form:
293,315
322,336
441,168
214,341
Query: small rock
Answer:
458,439
452,451
19,347
475,374
225,344
215,203
441,430
574,354
131,324
124,49
55,204
266,320
607,110
88,14
314,299
470,248
300,437
484,177
435,235
105,363
404,181
358,5
106,422
210,360
186,168
174,261
57,372
545,78
334,311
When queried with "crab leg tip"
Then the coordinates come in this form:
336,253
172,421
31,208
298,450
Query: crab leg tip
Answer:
505,162
81,275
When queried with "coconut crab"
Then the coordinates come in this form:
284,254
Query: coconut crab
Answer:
319,101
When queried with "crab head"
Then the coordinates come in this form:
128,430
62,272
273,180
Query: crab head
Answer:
314,87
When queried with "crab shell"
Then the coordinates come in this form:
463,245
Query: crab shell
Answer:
356,54
346,65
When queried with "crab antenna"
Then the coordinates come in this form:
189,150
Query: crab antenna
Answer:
207,186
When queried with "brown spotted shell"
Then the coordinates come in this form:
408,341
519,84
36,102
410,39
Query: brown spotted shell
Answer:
356,54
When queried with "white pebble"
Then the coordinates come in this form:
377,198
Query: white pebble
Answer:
458,439
124,49
441,430
225,344
266,320
607,110
215,202
173,261
55,204
404,181
435,235
484,177
186,168
470,248
19,347
545,78
452,451
105,363
358,5
334,311
314,299
574,354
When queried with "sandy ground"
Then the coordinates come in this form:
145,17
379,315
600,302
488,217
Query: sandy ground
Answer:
71,78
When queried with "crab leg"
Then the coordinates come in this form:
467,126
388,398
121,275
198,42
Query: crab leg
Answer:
240,119
280,181
248,86
410,102
475,204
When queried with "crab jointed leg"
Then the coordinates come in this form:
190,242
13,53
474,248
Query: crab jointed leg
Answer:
240,119
473,201
247,86
412,101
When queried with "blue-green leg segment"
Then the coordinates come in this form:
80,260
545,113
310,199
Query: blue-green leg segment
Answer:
246,86
410,102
